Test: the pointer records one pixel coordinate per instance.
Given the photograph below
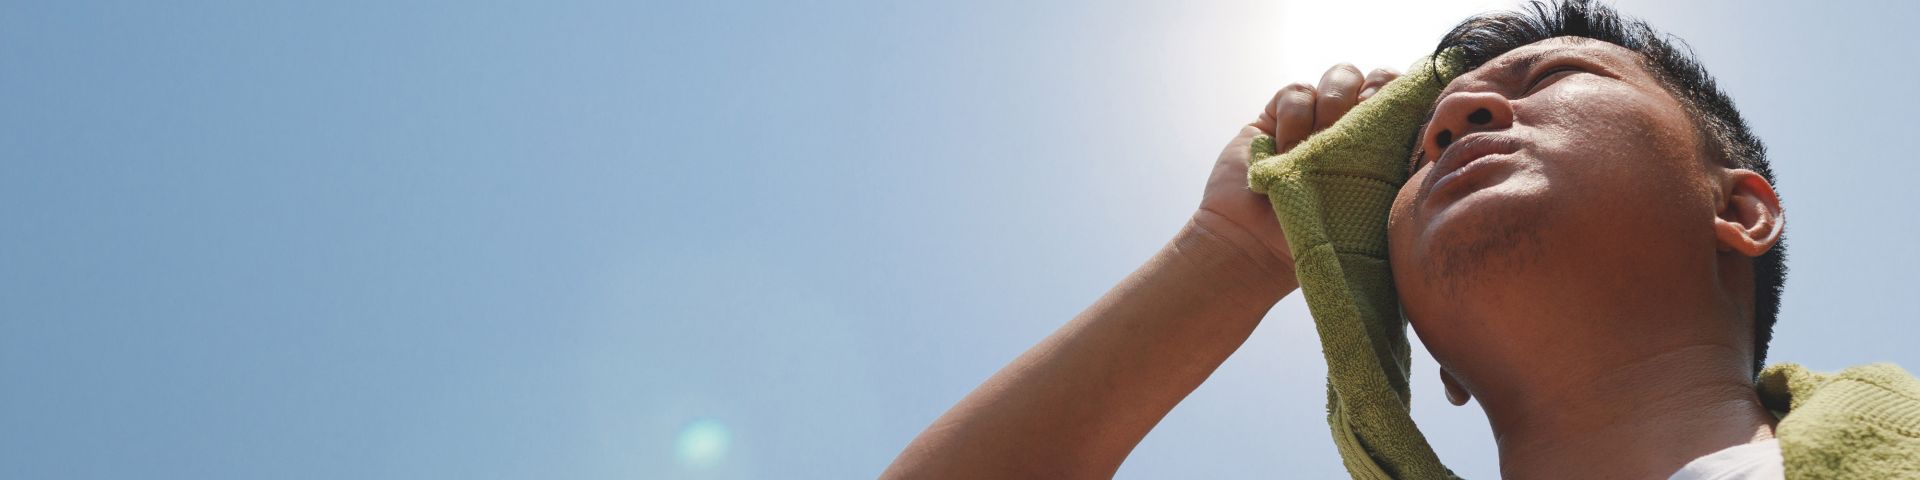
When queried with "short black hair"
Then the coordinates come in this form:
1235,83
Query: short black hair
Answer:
1486,36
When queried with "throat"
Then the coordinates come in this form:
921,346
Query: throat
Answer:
1642,420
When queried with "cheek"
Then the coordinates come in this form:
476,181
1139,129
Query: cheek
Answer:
1596,124
1404,223
1625,171
1611,139
1404,226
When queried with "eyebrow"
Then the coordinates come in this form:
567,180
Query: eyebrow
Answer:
1517,70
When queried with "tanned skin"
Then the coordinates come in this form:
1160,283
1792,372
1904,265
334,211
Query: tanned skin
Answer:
1591,284
1593,288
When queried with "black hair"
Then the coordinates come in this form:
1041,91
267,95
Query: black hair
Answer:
1716,121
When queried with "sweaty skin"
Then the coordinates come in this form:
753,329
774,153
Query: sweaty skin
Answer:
1575,259
1577,262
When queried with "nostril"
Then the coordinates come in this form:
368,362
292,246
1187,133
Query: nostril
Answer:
1480,117
1445,138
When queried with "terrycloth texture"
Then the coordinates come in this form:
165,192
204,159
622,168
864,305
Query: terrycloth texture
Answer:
1332,194
1863,422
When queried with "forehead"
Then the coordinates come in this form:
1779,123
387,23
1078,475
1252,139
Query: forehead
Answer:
1513,67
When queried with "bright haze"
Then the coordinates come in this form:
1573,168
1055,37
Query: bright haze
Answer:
731,240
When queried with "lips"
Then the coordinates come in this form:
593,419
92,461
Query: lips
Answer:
1465,151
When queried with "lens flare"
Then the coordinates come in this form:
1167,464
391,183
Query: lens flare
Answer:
703,444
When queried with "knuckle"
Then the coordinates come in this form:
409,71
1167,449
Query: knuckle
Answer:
1344,72
1295,96
1297,91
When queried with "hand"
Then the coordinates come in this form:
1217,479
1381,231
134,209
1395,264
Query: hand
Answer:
1244,217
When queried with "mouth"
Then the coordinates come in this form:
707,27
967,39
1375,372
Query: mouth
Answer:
1453,162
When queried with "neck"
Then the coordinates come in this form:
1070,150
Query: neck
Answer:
1643,418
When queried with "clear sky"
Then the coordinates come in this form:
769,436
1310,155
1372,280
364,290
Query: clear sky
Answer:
721,240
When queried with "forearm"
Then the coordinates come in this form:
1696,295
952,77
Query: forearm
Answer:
1077,403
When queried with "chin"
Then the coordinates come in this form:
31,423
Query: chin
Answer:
1489,230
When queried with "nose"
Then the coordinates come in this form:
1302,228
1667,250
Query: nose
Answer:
1463,113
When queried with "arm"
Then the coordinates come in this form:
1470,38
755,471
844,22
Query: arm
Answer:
1076,404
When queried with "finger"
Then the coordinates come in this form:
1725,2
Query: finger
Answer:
1292,115
1249,146
1265,122
1268,120
1339,91
1379,77
1245,137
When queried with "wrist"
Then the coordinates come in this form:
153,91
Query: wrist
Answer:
1235,260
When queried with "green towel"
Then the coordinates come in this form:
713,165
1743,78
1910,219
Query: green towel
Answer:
1332,194
1863,422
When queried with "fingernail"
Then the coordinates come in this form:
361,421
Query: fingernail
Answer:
1369,92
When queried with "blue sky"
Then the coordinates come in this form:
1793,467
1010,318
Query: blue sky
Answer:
598,239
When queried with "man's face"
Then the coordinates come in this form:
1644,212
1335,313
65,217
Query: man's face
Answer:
1554,176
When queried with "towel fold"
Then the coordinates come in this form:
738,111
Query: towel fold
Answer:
1863,422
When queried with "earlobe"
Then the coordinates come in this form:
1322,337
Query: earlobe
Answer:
1456,394
1750,219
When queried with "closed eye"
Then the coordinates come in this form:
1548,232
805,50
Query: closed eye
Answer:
1541,79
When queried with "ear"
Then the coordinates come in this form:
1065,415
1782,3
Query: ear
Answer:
1456,394
1750,218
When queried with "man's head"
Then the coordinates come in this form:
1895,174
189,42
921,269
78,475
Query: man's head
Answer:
1584,194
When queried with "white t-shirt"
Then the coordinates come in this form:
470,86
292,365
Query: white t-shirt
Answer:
1753,461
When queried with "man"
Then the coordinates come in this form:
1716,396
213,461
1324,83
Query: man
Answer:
1590,244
